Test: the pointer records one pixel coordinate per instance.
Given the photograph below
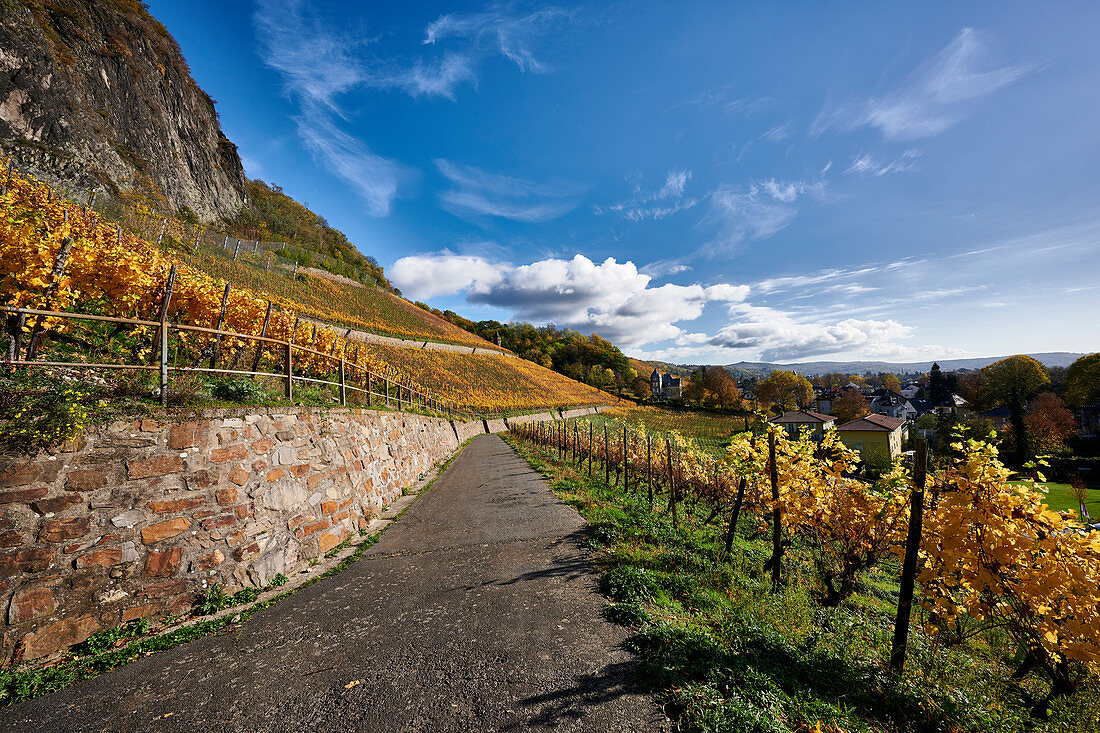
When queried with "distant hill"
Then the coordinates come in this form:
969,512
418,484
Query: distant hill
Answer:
757,369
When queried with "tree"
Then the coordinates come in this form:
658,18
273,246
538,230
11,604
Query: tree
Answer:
1083,381
1013,381
939,387
721,385
850,406
892,383
786,390
694,390
1049,424
972,387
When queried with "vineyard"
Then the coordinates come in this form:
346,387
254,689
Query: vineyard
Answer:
57,256
767,590
711,432
487,382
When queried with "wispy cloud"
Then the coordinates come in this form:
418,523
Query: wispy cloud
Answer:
756,211
669,199
475,191
865,164
317,66
934,96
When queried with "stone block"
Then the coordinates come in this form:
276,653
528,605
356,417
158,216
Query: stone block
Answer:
132,614
128,519
164,530
329,507
263,446
29,602
226,496
59,530
187,435
173,506
86,480
238,475
11,538
108,557
30,472
206,562
229,453
57,504
315,527
156,466
203,479
7,497
224,520
57,636
275,475
163,563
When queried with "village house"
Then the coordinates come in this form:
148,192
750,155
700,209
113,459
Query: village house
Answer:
877,438
665,387
794,421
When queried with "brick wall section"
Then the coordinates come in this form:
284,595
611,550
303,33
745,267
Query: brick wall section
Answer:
135,517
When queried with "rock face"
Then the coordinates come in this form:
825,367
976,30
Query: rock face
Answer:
95,95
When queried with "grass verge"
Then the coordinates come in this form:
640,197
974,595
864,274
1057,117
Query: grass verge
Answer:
723,652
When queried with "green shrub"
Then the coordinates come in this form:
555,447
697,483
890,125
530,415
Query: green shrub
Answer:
238,390
41,417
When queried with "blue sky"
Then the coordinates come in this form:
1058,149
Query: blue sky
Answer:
700,182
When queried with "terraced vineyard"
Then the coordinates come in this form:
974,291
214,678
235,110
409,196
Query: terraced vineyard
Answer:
490,383
327,299
712,432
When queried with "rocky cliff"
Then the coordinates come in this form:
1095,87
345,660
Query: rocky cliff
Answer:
95,94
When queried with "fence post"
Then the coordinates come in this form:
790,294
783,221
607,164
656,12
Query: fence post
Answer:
576,441
777,515
221,322
260,344
909,564
160,237
295,269
387,387
236,250
290,361
225,242
164,305
343,389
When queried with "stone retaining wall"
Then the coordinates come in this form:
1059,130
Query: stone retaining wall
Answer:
136,518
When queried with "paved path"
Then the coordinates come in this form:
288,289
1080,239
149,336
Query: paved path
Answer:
476,611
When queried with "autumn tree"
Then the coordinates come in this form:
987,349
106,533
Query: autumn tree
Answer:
1013,381
721,385
972,388
1049,424
1083,381
784,389
892,383
850,406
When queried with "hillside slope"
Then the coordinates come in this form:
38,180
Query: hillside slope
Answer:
97,96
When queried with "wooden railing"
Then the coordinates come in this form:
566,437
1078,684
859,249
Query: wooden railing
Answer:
393,392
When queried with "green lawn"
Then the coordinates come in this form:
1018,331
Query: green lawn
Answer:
1060,498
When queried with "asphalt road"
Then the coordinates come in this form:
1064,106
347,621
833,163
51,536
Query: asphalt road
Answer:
475,612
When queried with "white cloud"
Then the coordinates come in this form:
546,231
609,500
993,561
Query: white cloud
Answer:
611,298
475,191
779,337
933,98
445,273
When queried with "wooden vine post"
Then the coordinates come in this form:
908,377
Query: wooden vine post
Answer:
221,323
607,458
576,440
909,564
163,333
671,485
777,516
58,271
626,482
590,431
649,467
260,344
